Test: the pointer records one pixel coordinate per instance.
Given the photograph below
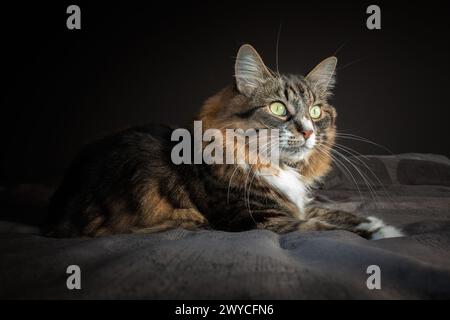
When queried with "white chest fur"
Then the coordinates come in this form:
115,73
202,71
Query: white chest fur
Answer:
289,183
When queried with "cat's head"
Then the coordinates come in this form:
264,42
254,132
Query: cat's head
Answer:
295,105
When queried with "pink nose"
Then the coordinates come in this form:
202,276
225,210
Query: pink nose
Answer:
307,133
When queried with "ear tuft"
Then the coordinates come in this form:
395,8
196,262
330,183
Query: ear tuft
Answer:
250,70
323,75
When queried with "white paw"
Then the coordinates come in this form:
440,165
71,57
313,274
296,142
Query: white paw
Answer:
379,229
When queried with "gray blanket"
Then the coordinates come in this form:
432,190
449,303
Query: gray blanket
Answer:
411,191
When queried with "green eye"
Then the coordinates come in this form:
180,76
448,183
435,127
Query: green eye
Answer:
277,108
315,112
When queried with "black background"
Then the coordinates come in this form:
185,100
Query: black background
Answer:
133,63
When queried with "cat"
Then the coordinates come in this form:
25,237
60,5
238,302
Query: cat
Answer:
128,183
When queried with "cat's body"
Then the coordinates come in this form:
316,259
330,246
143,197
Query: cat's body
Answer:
127,182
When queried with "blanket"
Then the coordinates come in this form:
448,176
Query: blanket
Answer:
409,191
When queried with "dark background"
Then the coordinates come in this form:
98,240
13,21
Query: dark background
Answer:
133,63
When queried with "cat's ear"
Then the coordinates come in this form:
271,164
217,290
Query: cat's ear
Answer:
250,70
323,75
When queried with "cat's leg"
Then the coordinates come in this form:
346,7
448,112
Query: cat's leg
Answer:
379,230
370,227
283,224
189,219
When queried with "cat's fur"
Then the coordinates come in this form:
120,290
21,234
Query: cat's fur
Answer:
127,182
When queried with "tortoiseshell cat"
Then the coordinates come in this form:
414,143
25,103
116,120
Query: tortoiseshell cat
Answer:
127,182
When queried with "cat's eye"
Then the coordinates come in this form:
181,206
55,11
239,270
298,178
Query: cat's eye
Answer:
278,109
315,112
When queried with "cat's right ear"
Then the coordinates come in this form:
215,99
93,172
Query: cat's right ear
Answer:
250,70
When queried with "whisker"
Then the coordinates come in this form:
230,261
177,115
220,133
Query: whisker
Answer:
358,157
340,47
277,47
341,165
363,176
352,63
362,139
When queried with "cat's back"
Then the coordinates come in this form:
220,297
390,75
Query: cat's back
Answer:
140,139
123,150
115,167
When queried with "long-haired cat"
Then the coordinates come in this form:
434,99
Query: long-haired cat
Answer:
127,182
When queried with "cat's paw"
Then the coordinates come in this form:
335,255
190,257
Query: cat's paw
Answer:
378,229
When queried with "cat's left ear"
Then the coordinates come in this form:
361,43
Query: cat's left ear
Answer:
323,75
250,70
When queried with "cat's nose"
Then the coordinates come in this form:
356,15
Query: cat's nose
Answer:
307,133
